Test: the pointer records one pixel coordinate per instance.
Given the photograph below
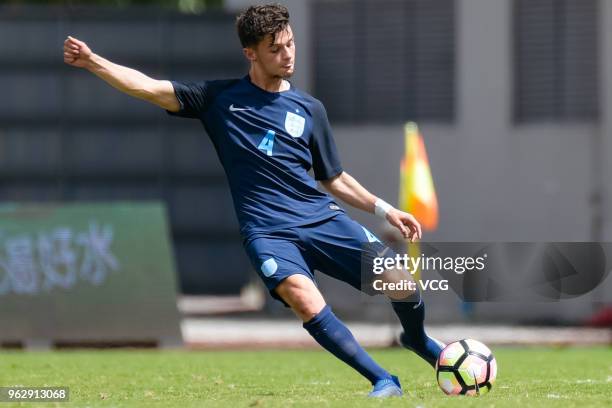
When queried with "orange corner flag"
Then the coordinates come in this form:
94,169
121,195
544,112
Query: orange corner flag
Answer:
417,194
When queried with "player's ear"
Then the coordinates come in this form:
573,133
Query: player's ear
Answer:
250,54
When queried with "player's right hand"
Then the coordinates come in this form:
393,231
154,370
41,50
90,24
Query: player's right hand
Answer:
76,52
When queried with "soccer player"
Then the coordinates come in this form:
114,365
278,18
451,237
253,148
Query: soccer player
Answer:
268,135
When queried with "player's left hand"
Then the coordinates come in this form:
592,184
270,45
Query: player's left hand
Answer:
406,223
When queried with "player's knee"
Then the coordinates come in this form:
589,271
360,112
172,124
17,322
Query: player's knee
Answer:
307,310
302,296
304,304
398,284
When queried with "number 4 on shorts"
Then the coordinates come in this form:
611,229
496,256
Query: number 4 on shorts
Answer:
267,143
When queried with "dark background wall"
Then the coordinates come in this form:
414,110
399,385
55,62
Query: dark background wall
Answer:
67,136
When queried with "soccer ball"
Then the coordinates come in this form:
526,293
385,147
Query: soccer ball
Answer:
466,367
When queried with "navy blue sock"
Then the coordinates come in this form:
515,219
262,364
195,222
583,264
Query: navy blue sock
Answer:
336,338
412,316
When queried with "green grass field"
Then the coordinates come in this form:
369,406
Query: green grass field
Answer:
528,377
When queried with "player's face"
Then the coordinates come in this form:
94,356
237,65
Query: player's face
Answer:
276,56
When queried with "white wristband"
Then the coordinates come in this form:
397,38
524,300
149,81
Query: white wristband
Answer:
381,208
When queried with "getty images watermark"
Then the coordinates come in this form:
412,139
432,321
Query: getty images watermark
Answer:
422,263
488,272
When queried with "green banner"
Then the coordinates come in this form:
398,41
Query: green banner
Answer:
87,272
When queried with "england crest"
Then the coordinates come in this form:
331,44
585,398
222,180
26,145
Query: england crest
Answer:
294,124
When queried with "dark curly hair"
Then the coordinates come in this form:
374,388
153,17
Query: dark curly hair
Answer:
258,21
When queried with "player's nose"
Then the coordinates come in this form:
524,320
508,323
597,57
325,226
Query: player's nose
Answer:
287,54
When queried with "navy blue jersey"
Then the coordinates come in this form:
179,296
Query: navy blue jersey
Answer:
267,142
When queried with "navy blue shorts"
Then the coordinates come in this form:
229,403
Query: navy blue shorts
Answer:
339,247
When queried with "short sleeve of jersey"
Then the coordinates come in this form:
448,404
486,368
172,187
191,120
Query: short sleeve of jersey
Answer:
192,98
325,160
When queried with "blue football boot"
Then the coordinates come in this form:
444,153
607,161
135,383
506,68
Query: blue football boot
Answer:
387,388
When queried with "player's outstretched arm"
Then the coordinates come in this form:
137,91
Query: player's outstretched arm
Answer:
346,188
127,80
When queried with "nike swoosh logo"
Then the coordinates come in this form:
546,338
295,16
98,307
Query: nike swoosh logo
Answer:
418,304
234,109
382,253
